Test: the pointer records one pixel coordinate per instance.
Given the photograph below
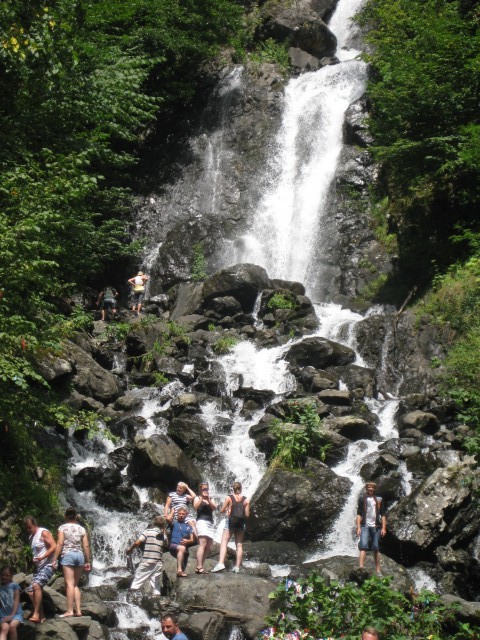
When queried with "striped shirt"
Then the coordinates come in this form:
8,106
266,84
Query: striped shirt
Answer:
179,501
154,542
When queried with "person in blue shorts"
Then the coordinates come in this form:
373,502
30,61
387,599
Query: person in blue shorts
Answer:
181,538
371,525
237,508
11,612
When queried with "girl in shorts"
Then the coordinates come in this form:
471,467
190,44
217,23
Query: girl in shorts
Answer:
74,551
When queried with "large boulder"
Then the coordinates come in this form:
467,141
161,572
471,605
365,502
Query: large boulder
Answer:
158,461
191,435
90,378
296,507
319,353
431,515
300,27
241,599
242,281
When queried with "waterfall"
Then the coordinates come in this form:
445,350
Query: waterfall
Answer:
288,233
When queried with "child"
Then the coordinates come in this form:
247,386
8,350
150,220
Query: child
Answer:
11,612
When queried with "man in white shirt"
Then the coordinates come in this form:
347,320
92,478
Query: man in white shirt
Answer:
371,524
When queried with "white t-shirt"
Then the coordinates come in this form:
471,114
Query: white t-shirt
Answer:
370,519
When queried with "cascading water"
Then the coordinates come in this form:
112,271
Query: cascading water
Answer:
287,238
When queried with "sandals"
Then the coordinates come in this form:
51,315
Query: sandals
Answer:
181,574
201,571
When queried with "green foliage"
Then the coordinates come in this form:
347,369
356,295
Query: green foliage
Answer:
336,610
271,51
117,331
295,443
425,123
199,263
224,345
454,301
281,301
159,379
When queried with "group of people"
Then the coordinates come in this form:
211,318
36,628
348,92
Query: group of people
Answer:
107,298
71,549
177,530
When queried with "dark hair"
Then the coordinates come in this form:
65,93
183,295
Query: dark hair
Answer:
237,487
6,567
172,617
70,513
30,520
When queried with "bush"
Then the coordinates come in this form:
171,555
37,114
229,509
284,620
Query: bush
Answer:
319,610
280,301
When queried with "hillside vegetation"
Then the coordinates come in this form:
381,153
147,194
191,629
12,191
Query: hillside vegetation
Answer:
424,93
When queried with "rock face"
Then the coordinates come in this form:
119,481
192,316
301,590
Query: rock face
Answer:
296,507
437,511
319,353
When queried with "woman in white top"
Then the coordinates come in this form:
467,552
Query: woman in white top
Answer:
74,550
138,288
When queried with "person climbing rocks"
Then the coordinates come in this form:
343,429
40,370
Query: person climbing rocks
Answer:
181,538
43,548
154,540
237,508
107,301
371,524
170,628
138,290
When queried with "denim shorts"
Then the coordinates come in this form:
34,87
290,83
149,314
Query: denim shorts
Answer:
369,539
73,559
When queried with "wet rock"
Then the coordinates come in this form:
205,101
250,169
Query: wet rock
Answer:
193,322
90,378
379,465
421,420
345,568
241,599
119,498
204,625
468,612
127,403
159,461
292,507
80,402
188,299
127,427
361,381
335,397
87,478
319,353
351,427
297,288
224,306
273,552
301,27
314,380
242,281
422,521
191,435
213,381
355,127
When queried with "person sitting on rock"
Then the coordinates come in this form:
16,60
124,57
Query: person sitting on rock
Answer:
181,538
181,497
11,612
237,508
371,525
154,540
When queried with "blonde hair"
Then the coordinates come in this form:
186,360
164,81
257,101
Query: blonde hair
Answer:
182,485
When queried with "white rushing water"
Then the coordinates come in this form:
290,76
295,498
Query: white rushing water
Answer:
286,238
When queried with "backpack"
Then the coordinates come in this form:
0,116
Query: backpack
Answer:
109,294
237,512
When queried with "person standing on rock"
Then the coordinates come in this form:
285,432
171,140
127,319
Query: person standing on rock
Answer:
155,540
237,508
138,290
371,525
170,628
205,507
74,550
43,548
181,538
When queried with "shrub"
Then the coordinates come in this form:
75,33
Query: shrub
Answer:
224,345
280,301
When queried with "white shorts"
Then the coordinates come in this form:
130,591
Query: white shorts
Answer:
205,528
